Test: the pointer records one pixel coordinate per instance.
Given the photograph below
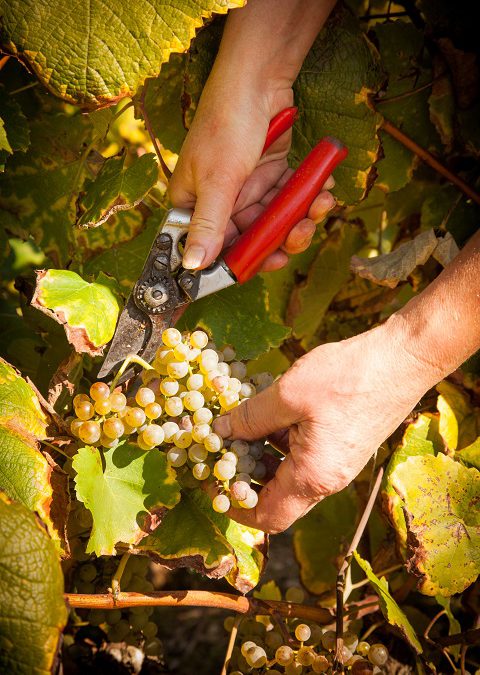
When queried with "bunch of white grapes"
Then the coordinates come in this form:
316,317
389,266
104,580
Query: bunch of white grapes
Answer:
192,383
308,648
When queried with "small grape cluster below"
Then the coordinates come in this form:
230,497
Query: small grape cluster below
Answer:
299,648
190,384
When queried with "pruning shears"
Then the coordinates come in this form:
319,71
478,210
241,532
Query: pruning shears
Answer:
165,289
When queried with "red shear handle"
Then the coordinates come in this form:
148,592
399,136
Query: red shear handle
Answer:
278,125
270,230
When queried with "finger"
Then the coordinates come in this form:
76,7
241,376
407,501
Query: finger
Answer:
275,261
281,502
300,237
269,411
322,204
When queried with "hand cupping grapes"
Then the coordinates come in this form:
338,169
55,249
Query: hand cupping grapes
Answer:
190,385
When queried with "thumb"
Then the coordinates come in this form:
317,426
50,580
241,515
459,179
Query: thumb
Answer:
260,416
215,201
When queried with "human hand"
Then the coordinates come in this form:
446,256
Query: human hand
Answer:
336,406
221,174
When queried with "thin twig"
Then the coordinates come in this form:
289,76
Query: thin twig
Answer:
117,577
382,573
153,138
231,644
228,601
346,562
4,60
406,94
371,629
468,637
24,88
389,15
430,160
433,622
131,358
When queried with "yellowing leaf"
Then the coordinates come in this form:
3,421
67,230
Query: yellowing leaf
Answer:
19,405
390,610
125,489
194,535
122,43
116,189
88,311
32,609
441,501
459,424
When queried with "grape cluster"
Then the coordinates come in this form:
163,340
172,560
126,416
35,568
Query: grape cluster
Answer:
190,385
132,625
309,648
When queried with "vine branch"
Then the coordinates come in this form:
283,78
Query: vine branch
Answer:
429,159
231,644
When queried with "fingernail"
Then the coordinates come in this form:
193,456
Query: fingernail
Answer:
193,257
222,426
329,183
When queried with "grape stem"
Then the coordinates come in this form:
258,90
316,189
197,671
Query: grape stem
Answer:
118,575
338,665
131,358
231,644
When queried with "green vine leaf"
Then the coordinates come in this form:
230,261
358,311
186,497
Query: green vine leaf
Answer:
123,44
333,91
390,610
125,489
441,499
14,130
194,535
332,522
239,316
19,405
116,189
88,311
32,609
471,454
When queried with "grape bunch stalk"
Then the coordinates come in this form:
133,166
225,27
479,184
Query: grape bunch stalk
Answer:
189,384
299,648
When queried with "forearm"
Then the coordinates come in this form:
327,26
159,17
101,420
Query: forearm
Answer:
443,323
268,40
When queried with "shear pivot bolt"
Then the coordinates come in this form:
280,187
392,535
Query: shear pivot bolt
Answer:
187,282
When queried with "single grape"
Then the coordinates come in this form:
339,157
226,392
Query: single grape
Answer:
99,391
153,434
201,471
213,442
248,644
257,450
153,411
169,386
142,443
223,369
193,354
174,406
246,464
138,621
144,396
294,668
295,594
107,442
170,429
378,654
228,353
220,383
244,478
113,428
89,432
345,654
263,380
153,647
302,633
256,657
247,390
284,655
321,664
197,453
329,640
228,400
75,426
250,501
118,401
208,360
362,667
316,636
224,470
230,457
239,490
171,337
221,503
181,352
259,472
193,401
177,456
202,416
119,631
84,410
195,382
238,370
186,423
102,407
350,640
198,339
177,369
182,439
305,656
149,630
87,572
234,384
135,417
363,648
96,617
240,448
